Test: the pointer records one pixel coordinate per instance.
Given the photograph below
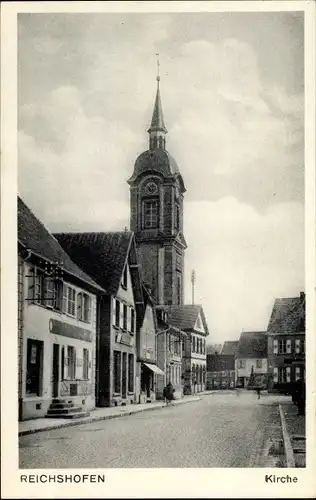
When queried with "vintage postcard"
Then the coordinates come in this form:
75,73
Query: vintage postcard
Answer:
158,249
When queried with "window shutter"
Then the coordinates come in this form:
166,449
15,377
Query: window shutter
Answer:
275,374
64,308
297,372
88,304
129,319
297,346
113,310
79,363
80,302
288,346
275,346
288,374
31,284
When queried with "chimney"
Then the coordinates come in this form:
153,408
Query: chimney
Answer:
302,296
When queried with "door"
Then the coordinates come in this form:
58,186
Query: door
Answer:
33,366
55,371
124,376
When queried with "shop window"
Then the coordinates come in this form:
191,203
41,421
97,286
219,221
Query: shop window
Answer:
117,372
259,363
130,373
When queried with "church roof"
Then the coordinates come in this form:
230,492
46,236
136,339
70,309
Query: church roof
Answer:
156,160
157,121
229,347
102,256
34,236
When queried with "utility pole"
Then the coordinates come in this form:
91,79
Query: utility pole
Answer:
193,284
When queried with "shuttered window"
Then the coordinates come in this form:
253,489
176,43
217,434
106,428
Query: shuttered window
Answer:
275,346
288,346
297,346
275,374
297,372
288,374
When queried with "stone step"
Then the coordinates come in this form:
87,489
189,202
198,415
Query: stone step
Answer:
74,409
80,414
62,405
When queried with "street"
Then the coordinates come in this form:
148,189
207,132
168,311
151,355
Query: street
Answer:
220,430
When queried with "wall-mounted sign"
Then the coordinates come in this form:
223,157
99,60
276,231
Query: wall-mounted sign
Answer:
74,332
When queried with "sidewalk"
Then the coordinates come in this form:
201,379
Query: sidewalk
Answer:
46,424
296,430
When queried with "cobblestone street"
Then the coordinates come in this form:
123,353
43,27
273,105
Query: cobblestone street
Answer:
220,430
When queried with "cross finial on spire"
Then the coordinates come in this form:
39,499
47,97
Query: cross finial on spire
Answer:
158,68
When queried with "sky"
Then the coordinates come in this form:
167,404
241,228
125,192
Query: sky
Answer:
232,87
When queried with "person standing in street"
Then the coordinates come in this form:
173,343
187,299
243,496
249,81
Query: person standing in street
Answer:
168,393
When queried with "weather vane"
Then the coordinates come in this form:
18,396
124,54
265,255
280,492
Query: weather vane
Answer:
158,67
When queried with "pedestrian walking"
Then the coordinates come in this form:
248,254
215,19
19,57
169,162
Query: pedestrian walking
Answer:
258,392
168,393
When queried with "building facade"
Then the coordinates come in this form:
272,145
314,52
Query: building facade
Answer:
148,375
110,259
156,214
286,343
190,320
57,326
251,363
221,367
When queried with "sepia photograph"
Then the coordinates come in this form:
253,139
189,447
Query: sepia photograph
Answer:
161,242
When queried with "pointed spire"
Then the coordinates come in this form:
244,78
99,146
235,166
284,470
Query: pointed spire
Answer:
157,130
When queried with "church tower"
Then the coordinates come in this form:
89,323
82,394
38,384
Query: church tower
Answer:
156,217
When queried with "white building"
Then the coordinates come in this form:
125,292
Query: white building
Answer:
57,326
251,358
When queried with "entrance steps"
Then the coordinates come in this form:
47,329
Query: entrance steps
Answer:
65,408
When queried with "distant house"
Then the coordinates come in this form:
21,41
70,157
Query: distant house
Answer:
191,320
221,367
110,259
214,348
251,364
286,343
57,326
148,375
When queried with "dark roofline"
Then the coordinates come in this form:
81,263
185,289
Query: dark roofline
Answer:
75,276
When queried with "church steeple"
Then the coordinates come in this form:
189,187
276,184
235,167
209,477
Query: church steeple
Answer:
157,131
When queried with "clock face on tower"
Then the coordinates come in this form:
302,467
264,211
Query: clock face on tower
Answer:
151,188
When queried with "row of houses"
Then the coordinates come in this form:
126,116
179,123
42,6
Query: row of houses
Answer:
89,331
273,359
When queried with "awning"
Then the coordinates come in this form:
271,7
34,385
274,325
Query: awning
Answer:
155,369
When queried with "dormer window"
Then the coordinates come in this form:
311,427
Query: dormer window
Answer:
124,277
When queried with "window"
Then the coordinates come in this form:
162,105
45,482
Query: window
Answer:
179,294
117,372
124,317
259,363
282,374
297,346
177,216
177,345
303,346
71,362
130,373
242,363
282,346
124,277
117,313
132,320
150,214
84,307
49,292
85,369
34,367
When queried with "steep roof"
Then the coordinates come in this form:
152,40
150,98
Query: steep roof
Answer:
252,345
214,348
34,236
157,121
219,362
185,316
102,255
288,315
229,347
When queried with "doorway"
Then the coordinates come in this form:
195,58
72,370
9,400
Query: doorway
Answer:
33,367
124,376
55,371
